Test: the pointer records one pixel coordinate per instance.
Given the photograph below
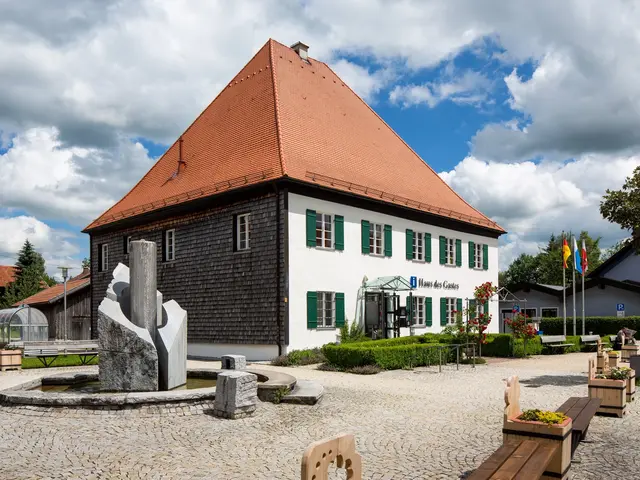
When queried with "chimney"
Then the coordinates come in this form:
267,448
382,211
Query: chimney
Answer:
301,49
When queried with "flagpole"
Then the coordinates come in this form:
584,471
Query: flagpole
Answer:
574,284
564,290
584,272
583,332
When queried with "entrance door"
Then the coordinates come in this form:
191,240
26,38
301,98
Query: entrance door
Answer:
505,314
372,314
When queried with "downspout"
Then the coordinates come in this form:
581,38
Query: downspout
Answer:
278,260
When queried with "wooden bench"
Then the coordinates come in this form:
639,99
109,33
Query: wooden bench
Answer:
555,341
591,340
580,410
527,459
340,450
48,355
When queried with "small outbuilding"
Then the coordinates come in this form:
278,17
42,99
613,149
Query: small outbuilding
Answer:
23,324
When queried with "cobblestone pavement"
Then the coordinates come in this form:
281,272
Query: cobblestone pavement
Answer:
408,424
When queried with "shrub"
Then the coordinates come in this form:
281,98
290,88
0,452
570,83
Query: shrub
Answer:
472,361
598,325
384,356
364,370
299,357
353,333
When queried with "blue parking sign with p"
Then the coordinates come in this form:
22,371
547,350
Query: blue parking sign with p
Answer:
620,307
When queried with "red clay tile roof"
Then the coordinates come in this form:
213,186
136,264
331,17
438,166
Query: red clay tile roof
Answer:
7,275
52,294
284,117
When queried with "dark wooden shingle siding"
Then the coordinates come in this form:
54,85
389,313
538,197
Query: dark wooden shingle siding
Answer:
230,297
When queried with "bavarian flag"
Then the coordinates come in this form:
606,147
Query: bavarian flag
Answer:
576,256
566,252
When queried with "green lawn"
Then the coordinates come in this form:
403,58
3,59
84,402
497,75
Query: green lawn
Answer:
61,361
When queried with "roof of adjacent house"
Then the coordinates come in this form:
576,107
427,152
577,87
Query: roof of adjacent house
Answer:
286,117
612,261
7,274
55,293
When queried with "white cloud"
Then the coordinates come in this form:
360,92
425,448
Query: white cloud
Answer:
533,200
469,88
56,246
40,175
362,81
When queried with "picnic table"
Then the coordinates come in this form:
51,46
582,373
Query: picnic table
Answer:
555,341
524,460
48,354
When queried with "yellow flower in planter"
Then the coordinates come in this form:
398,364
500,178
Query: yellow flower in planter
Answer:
544,416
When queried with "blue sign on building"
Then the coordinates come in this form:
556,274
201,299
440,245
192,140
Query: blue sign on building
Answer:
414,282
516,309
620,307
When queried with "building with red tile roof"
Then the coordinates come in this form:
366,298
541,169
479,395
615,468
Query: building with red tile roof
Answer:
7,275
287,141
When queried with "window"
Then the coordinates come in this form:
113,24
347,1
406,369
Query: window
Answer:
326,309
451,307
104,257
478,255
451,251
550,312
169,245
419,244
476,308
376,242
531,312
324,230
127,244
243,231
418,313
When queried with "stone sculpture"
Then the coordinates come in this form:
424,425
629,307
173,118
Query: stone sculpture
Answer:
143,342
236,394
234,362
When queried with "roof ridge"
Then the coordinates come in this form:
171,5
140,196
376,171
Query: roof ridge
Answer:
276,109
177,140
405,143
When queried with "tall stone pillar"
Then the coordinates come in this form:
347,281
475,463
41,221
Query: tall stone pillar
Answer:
142,289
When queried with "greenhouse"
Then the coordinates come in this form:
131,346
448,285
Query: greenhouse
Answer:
23,324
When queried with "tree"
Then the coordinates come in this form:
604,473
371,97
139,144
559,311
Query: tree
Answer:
30,275
623,206
86,263
613,249
546,266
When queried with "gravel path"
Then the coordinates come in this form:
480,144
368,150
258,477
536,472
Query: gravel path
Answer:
417,424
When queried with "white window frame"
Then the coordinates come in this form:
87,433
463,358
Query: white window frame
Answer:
324,235
104,254
323,320
478,255
419,247
535,312
451,307
243,236
128,244
550,308
418,311
451,251
170,246
374,236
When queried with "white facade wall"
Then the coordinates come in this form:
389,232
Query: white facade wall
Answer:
312,269
217,350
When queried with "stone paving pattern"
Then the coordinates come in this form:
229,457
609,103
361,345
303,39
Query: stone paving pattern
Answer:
417,424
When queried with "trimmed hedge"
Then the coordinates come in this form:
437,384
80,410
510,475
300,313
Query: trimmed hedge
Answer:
598,325
387,357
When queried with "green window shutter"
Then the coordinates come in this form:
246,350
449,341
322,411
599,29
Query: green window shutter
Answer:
339,227
443,312
409,244
459,305
427,247
311,228
428,307
472,255
458,253
312,310
339,309
365,237
485,257
387,240
443,250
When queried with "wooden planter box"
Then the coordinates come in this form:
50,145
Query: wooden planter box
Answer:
631,387
614,359
10,360
628,351
560,435
601,361
613,394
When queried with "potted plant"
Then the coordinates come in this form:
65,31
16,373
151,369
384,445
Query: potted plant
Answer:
614,358
10,358
542,426
611,391
628,375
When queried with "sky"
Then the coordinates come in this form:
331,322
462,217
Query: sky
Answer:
529,110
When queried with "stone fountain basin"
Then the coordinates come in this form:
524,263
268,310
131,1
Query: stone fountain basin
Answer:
269,384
